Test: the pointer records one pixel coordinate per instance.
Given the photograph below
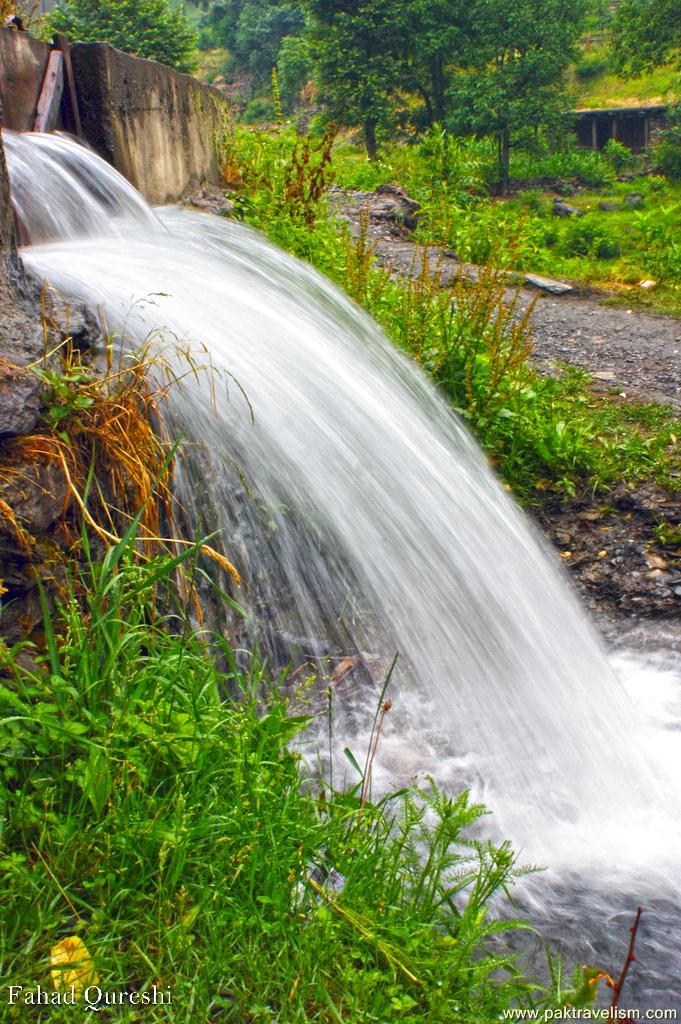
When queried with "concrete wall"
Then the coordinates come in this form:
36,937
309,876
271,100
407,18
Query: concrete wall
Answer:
159,128
23,62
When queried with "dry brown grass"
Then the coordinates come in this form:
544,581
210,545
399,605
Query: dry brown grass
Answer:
106,436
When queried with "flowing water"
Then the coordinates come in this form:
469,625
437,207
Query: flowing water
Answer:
365,521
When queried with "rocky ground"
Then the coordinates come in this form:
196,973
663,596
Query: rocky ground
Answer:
607,543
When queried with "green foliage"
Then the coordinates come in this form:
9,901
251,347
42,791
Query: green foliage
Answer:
646,33
590,67
590,237
155,29
514,66
668,147
541,433
253,31
660,233
435,40
619,155
182,840
358,51
587,166
294,64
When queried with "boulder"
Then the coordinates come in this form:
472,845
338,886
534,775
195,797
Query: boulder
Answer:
563,209
608,207
20,394
633,199
391,202
548,285
37,494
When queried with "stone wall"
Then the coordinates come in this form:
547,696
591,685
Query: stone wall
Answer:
159,128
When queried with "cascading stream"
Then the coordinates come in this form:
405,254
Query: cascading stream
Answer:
374,524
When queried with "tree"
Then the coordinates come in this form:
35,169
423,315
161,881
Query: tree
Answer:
294,65
646,33
359,50
261,27
253,32
438,30
513,67
147,28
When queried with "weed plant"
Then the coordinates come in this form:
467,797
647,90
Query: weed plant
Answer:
474,339
169,830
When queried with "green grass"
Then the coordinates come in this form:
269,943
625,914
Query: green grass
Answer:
541,433
171,829
606,89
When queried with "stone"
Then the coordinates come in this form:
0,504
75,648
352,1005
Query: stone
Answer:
37,494
391,202
20,394
211,200
563,209
75,323
608,207
548,285
633,199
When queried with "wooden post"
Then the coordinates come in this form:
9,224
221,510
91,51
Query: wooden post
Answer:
594,133
613,133
49,101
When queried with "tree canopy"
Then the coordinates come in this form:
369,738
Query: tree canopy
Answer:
147,28
512,63
359,47
646,33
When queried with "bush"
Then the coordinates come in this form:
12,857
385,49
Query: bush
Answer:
607,249
667,150
589,68
258,110
618,155
154,29
586,237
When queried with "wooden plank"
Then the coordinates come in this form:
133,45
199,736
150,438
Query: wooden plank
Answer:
47,113
62,44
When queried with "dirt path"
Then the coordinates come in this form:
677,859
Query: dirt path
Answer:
625,350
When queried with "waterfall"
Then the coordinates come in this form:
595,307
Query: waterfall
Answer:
364,519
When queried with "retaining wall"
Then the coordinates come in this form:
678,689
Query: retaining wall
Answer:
23,62
161,129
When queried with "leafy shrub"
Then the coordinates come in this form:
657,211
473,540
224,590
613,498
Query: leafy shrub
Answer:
587,165
607,249
589,68
294,64
618,155
660,232
668,148
155,29
586,237
259,109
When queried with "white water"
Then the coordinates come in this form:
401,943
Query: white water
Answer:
375,525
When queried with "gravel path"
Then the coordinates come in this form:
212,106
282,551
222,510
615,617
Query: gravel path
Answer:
624,349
